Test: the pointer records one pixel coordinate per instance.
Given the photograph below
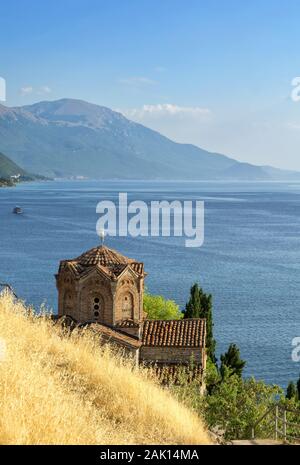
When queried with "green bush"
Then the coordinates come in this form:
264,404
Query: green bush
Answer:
159,308
231,405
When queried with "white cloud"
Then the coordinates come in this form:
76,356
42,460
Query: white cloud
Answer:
44,90
165,110
137,81
26,90
187,124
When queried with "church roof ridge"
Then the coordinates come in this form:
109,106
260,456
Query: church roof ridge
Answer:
104,256
108,260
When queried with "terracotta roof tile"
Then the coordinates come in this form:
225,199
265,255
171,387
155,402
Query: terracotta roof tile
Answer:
108,260
111,335
137,267
188,332
128,324
102,255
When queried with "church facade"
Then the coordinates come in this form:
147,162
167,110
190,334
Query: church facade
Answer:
104,289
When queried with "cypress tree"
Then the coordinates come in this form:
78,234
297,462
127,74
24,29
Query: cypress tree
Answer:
232,359
193,306
291,391
200,306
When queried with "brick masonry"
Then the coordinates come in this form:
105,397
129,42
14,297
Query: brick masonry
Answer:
105,289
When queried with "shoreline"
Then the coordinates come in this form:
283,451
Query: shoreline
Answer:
4,183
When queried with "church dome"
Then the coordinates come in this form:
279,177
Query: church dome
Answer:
103,256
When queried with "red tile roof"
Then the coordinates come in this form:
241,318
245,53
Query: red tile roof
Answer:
107,260
188,332
128,324
102,255
111,335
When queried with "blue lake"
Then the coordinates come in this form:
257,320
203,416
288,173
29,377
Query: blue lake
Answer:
250,259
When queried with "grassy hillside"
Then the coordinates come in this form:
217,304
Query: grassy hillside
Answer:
67,390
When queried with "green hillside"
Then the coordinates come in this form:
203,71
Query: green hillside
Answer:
9,168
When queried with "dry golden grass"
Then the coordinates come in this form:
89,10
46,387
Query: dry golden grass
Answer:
68,390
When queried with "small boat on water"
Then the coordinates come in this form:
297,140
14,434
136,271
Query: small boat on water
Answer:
17,211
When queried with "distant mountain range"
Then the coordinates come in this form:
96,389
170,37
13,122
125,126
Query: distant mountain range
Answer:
69,137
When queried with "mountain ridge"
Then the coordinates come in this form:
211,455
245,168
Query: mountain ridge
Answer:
70,137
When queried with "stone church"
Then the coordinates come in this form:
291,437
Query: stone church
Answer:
104,289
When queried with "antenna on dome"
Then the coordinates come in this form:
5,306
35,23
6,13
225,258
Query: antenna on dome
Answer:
102,236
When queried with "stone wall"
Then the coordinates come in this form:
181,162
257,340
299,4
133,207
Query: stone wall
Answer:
129,299
95,301
97,298
129,351
170,354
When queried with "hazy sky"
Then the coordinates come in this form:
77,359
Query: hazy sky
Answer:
214,73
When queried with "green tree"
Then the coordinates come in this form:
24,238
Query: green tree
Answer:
232,360
298,389
291,391
158,308
200,306
236,404
212,376
193,306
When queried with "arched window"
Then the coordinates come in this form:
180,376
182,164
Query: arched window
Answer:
96,307
127,306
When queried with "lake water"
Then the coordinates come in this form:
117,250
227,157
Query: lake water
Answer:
250,260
